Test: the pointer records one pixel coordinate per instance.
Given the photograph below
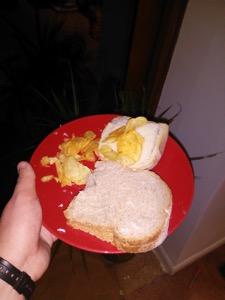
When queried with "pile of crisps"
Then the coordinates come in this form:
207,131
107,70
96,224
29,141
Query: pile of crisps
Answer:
129,143
68,161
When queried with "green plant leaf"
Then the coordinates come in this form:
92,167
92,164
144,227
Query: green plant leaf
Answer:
206,156
74,96
169,121
60,106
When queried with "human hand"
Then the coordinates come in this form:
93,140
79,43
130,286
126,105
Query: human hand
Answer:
24,241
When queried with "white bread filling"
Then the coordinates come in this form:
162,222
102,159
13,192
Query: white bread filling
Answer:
155,137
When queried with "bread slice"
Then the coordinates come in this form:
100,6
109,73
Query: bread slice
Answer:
130,209
155,137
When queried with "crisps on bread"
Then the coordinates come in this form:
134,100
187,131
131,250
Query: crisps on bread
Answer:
134,142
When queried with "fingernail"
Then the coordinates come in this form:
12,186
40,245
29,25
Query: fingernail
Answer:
21,165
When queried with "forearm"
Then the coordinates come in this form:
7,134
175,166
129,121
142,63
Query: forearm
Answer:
7,292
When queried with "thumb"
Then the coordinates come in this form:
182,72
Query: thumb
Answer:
25,169
26,180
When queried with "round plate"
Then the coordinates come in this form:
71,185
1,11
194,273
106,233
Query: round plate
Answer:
174,168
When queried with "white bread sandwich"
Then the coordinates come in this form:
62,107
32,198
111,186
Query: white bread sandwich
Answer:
130,209
134,142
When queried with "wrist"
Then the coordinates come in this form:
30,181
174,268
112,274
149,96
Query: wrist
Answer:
19,263
15,261
7,292
13,256
20,281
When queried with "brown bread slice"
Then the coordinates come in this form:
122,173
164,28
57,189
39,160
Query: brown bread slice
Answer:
130,209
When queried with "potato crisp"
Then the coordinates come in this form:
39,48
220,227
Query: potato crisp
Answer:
68,161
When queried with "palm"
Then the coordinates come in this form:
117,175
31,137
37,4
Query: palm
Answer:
23,239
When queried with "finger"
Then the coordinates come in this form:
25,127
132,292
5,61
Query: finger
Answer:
25,170
26,179
47,237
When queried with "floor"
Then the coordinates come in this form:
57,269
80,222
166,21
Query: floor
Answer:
75,274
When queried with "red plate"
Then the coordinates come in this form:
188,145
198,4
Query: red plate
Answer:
174,167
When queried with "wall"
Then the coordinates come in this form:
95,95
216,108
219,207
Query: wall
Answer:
195,81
